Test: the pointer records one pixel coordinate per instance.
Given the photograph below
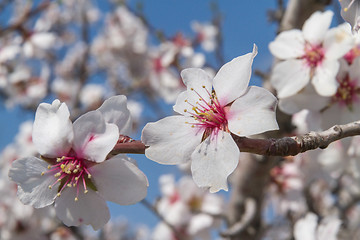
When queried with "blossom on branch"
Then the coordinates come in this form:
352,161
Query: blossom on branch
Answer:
73,170
211,110
310,55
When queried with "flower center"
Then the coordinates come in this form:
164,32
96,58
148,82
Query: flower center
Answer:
352,54
210,115
70,171
347,92
314,54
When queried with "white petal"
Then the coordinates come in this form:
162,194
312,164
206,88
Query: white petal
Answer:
306,99
114,110
288,44
214,160
43,40
120,181
199,223
93,137
89,209
289,77
171,140
33,186
253,113
338,41
324,79
305,228
329,228
316,26
233,78
199,85
52,131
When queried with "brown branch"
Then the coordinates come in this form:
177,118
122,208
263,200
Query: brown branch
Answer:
19,24
285,146
247,217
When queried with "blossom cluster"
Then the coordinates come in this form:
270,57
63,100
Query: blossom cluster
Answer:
72,159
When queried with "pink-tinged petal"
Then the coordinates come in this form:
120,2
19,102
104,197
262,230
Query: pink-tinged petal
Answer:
114,110
233,78
306,99
289,77
214,160
171,140
53,130
93,137
324,79
338,41
120,181
288,44
90,209
253,113
33,185
199,85
316,26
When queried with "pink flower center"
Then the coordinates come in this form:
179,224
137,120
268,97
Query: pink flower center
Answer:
347,92
70,171
352,54
210,115
314,55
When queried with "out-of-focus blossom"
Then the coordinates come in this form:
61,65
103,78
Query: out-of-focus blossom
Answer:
72,170
344,105
206,35
25,87
211,110
38,42
309,228
187,208
92,95
66,90
309,55
164,79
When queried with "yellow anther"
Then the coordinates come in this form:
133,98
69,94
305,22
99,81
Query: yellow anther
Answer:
78,166
86,191
203,86
74,185
58,194
346,9
76,199
192,126
192,89
185,100
50,187
57,175
69,185
49,166
42,173
75,170
89,175
185,110
76,178
62,166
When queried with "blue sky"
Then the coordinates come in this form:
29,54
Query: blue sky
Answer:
245,23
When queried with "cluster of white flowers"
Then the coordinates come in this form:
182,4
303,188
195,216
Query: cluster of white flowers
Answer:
74,166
